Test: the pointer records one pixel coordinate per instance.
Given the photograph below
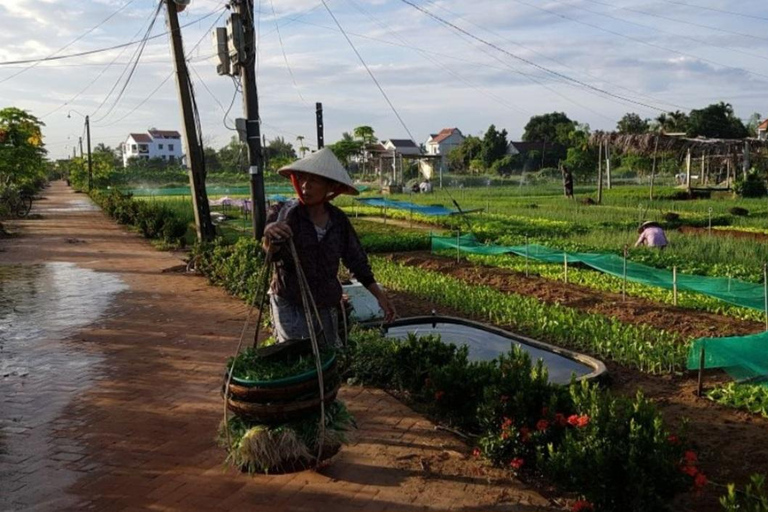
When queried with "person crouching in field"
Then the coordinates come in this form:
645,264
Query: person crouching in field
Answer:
651,235
324,237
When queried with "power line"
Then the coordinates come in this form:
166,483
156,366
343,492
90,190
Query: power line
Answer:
370,73
131,68
78,38
165,80
101,73
677,35
530,62
638,40
285,57
561,63
733,13
102,50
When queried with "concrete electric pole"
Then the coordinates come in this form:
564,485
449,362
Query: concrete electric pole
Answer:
195,158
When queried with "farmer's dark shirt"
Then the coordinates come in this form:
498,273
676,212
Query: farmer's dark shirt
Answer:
319,259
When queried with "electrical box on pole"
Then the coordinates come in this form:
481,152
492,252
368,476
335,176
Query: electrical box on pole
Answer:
221,44
235,43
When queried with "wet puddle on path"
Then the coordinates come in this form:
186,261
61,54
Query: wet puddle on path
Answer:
41,372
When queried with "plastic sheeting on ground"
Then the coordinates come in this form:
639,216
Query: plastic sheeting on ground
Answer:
404,205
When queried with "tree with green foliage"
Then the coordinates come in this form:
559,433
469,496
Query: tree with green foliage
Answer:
365,134
494,146
753,123
234,156
716,121
552,128
671,122
346,148
461,157
22,154
632,123
581,157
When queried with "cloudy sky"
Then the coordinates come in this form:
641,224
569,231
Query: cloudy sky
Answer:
464,64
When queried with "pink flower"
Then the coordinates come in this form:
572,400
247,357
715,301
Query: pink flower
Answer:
476,452
542,425
700,480
517,463
573,420
525,434
673,439
583,421
690,457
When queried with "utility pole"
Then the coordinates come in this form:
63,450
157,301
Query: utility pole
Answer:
80,141
90,165
320,131
195,159
246,61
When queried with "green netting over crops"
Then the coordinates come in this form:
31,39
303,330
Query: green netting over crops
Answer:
742,357
733,291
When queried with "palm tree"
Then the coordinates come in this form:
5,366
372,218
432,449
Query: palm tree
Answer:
302,148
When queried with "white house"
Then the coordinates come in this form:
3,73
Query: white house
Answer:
441,144
165,144
762,130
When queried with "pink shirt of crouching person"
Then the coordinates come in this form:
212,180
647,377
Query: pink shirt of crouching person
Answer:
651,235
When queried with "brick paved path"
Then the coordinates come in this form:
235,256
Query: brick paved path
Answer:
121,414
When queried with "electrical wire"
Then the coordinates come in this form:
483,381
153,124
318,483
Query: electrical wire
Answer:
78,38
101,50
370,73
714,9
165,80
101,73
227,110
636,39
131,69
557,61
657,29
285,56
530,62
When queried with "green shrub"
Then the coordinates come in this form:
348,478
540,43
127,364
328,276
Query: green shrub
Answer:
752,186
738,211
753,499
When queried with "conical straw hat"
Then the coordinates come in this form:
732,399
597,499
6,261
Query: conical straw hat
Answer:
322,163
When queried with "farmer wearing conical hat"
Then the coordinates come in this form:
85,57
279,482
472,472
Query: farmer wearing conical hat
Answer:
323,237
651,235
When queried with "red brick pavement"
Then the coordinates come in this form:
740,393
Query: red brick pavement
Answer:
133,429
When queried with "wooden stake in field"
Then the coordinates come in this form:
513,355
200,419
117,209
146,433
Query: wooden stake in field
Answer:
674,285
526,256
653,167
688,170
765,293
624,283
608,165
700,384
458,246
565,263
600,173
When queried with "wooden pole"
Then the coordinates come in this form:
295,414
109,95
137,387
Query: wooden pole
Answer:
624,283
608,164
688,170
700,384
600,173
195,161
565,263
458,246
526,256
653,167
701,174
765,293
674,285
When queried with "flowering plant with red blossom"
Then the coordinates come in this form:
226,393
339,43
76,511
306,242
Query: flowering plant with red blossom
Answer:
517,463
582,506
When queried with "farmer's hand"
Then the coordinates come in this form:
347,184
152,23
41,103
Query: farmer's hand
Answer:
276,233
384,302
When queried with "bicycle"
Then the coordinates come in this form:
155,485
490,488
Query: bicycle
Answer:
15,202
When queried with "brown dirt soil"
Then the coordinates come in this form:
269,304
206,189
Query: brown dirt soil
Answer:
731,444
688,323
734,233
127,421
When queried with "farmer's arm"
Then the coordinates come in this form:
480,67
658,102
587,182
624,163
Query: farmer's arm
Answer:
354,258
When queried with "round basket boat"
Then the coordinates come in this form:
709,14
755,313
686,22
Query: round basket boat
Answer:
280,412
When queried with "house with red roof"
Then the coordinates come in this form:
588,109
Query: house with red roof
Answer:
163,144
762,130
443,142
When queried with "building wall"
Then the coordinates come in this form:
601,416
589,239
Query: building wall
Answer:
167,149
